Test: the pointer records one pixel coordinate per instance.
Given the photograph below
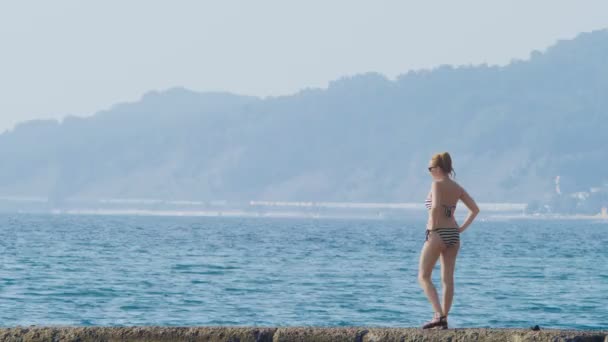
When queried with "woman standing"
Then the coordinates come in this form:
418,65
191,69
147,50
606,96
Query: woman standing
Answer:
442,235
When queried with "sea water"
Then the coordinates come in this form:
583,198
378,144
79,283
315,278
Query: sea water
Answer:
186,271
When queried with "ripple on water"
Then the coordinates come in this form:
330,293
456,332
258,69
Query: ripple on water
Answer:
94,270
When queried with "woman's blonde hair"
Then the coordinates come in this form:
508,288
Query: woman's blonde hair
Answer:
444,162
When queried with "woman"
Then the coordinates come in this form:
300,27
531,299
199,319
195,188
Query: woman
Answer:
442,235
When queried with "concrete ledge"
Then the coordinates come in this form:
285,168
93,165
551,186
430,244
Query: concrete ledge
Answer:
289,334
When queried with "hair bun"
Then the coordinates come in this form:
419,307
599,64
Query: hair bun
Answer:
444,161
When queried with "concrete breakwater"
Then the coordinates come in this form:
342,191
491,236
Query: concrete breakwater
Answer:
289,334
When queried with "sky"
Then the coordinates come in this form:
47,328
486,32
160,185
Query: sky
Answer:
73,57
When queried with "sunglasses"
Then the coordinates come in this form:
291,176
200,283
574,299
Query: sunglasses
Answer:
431,168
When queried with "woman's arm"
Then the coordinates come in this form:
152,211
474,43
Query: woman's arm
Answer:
435,206
473,210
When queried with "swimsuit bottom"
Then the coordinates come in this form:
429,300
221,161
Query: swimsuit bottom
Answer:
450,236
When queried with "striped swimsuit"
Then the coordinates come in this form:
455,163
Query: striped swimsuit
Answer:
450,236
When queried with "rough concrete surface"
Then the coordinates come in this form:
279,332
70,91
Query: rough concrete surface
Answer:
289,334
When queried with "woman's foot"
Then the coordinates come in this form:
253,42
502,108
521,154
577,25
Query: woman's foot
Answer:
438,321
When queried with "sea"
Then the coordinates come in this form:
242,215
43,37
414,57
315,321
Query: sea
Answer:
112,270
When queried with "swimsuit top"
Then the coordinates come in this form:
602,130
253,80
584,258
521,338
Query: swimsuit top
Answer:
448,208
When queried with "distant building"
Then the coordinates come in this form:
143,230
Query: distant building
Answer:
580,195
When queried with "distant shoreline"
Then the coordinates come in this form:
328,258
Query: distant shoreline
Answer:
364,215
551,217
271,209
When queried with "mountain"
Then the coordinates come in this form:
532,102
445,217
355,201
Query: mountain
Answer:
510,129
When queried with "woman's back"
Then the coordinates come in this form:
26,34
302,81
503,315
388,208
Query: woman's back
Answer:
443,197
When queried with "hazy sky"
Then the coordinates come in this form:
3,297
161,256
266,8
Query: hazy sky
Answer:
77,57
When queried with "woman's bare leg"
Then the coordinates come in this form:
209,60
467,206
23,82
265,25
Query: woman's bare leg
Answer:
428,257
448,264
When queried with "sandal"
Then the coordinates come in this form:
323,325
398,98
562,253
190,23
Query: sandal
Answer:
438,321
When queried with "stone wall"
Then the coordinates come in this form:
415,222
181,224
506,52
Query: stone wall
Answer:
288,334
